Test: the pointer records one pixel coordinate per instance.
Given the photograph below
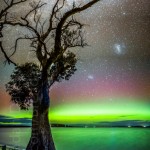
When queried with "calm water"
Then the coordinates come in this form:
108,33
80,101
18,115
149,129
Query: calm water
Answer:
85,138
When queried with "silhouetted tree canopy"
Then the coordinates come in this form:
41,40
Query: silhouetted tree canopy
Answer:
23,84
50,38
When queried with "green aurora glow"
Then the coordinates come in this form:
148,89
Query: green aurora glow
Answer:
93,112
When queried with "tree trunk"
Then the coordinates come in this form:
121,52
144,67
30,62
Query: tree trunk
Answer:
41,137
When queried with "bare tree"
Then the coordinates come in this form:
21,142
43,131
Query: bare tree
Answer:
51,39
3,16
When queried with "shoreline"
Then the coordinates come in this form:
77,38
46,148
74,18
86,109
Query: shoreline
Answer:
10,147
68,126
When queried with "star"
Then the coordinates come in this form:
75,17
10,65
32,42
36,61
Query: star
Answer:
91,77
119,49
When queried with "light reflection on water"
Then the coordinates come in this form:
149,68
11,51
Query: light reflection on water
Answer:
85,138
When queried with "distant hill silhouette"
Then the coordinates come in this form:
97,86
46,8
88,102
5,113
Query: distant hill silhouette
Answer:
6,121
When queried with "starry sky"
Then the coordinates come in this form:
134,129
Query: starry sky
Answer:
112,81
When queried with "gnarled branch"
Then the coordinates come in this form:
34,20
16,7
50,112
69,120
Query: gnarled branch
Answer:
57,46
6,56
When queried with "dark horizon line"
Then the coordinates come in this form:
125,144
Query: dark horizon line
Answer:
69,126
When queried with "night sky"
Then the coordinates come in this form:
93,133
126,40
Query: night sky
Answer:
112,81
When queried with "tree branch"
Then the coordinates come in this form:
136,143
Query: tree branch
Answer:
55,10
6,56
12,3
37,6
17,40
65,17
57,46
